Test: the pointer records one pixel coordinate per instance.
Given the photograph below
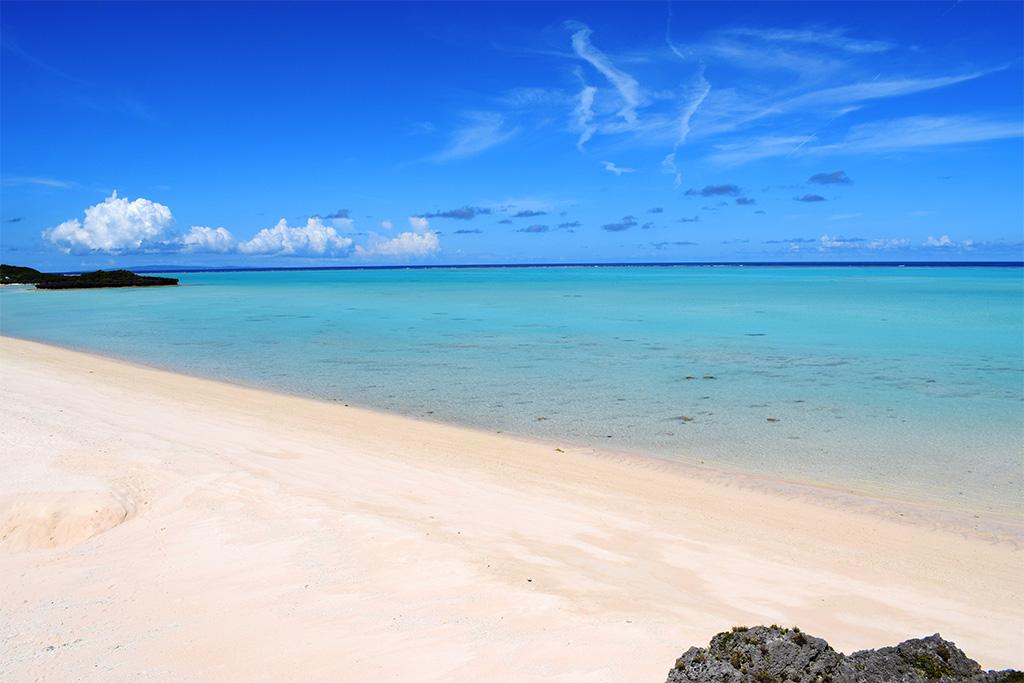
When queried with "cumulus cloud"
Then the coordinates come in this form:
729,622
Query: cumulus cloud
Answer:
505,221
745,201
695,219
528,213
474,231
715,191
420,241
386,224
617,170
312,239
662,245
943,242
340,213
810,198
403,245
834,178
569,224
463,214
115,225
534,228
208,240
656,209
828,242
626,223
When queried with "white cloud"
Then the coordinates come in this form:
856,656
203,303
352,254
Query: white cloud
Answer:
483,131
419,223
892,135
943,241
872,90
115,225
729,110
828,242
835,39
344,224
312,239
627,86
386,224
420,241
584,115
208,240
37,180
758,148
617,170
697,96
922,131
698,92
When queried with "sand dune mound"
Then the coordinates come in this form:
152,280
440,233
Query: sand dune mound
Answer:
35,521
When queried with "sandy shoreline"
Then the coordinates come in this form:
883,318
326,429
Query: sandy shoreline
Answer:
247,535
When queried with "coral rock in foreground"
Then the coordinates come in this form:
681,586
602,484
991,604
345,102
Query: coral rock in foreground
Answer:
770,654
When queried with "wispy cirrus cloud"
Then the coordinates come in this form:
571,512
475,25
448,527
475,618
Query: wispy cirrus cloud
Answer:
482,131
14,181
890,135
698,93
627,87
922,131
823,37
584,115
764,147
736,108
617,170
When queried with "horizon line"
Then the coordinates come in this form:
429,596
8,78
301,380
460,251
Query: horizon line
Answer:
580,264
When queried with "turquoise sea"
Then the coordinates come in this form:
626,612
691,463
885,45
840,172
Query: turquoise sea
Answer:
904,382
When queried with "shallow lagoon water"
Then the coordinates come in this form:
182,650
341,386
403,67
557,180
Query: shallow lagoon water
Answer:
904,382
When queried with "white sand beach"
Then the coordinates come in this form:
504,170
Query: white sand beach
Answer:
160,527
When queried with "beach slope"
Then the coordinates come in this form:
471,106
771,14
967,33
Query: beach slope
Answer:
155,526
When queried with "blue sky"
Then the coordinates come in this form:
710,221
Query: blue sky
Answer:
322,134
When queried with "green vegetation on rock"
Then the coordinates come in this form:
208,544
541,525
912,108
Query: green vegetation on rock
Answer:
96,279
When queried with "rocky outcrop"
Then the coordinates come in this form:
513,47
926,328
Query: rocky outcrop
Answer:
771,654
105,278
99,278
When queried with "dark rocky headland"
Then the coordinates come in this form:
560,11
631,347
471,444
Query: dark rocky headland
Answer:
21,275
771,654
